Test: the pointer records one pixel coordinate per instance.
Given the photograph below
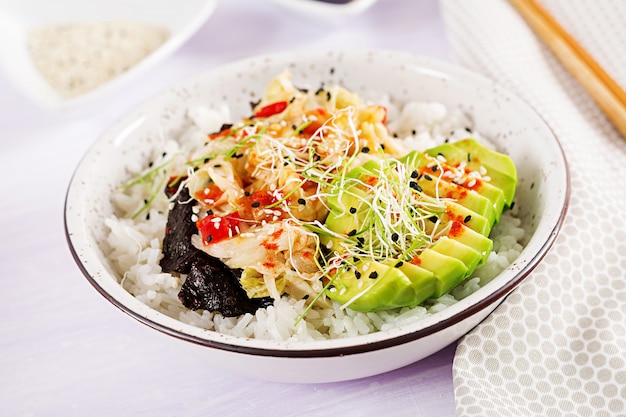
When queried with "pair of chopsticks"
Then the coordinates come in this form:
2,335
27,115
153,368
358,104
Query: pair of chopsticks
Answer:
601,87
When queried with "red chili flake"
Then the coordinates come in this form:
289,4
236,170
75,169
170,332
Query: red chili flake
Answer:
271,109
276,235
269,245
456,229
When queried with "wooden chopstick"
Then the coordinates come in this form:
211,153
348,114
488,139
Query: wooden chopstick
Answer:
609,96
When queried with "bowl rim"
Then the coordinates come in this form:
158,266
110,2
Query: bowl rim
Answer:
299,350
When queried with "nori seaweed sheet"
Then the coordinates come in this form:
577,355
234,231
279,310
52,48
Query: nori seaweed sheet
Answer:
213,286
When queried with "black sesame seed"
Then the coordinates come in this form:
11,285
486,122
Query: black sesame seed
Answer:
238,155
352,210
332,70
399,264
395,237
247,193
255,204
253,104
361,240
435,168
164,154
148,216
292,99
365,149
294,127
415,186
145,201
209,238
467,129
150,164
374,275
217,166
209,212
428,177
328,95
467,218
357,274
382,146
301,201
352,232
469,157
395,135
414,132
433,219
285,163
414,174
512,205
319,90
305,297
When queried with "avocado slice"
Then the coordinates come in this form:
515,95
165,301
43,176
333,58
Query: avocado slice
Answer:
500,167
464,253
448,271
463,234
493,193
372,286
473,220
423,281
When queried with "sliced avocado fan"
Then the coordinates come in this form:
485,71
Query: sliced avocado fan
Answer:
414,228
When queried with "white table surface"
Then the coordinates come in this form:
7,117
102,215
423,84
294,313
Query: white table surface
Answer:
65,351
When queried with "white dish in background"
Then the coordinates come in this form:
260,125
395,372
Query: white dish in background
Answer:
182,19
541,199
328,9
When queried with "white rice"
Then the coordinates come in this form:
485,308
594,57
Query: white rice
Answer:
134,247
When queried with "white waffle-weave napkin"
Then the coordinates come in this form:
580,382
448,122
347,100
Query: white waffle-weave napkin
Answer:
557,345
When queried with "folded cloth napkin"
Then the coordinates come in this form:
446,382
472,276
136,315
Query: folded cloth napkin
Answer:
557,345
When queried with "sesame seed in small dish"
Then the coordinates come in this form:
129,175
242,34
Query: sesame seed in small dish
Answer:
77,51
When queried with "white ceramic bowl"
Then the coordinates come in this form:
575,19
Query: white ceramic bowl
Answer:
542,199
181,18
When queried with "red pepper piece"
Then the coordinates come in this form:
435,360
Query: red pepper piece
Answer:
216,228
271,109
